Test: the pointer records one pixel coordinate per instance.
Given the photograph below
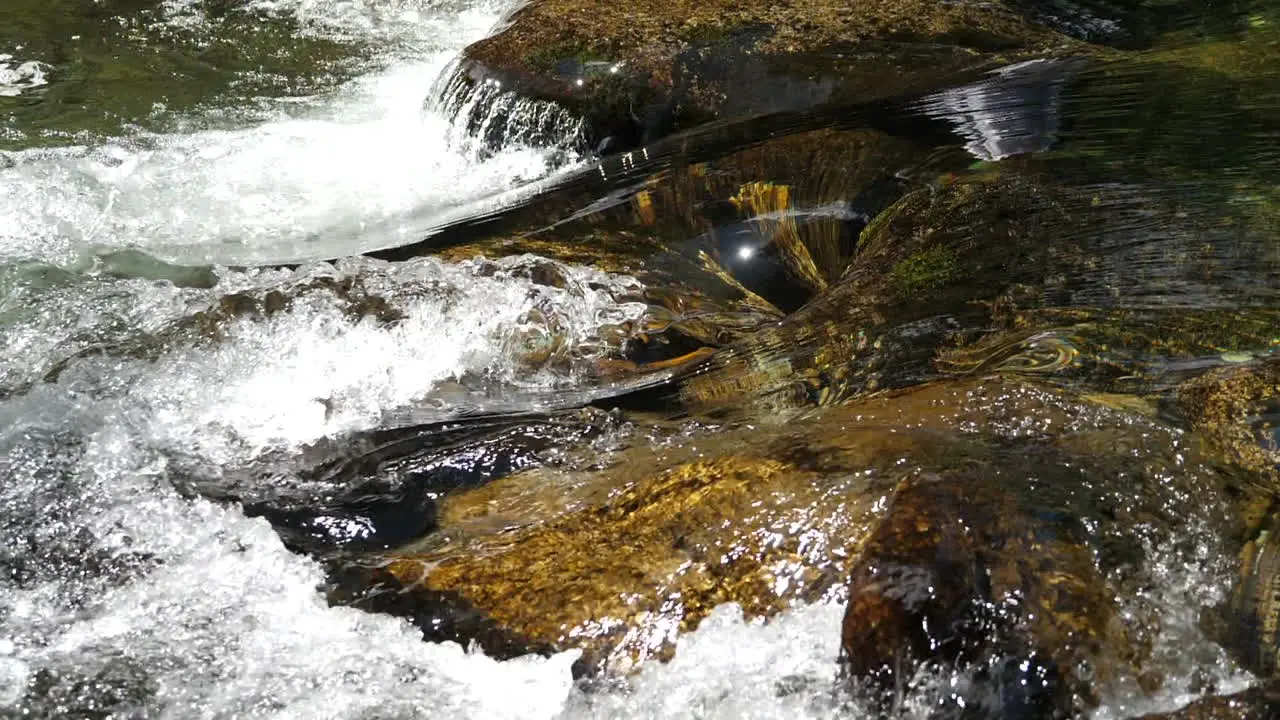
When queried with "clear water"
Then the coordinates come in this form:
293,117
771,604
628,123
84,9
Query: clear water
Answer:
119,595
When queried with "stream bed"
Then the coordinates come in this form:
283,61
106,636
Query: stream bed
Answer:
204,210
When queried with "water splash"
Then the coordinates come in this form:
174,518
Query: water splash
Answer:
17,77
118,592
486,118
733,668
308,184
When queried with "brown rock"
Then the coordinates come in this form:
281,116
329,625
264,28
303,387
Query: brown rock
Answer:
639,69
964,572
618,554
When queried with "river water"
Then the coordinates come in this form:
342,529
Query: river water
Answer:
123,211
119,595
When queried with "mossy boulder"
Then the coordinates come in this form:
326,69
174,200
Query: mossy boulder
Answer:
638,70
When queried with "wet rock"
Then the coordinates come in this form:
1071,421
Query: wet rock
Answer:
623,575
721,247
1129,278
451,618
382,489
1016,579
618,556
999,272
347,291
1249,626
357,522
1237,408
637,71
963,573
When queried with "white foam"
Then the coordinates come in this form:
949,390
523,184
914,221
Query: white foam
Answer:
370,164
220,620
229,623
1189,661
17,77
308,184
733,668
316,372
419,23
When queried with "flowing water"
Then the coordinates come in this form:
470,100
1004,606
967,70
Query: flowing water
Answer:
149,152
118,594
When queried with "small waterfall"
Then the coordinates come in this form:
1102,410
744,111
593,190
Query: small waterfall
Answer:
484,118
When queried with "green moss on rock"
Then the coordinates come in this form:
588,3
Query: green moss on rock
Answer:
925,271
683,63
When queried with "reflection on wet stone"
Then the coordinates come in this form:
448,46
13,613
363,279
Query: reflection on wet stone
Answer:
983,372
1017,111
963,318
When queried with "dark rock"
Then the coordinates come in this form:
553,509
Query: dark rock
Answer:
441,616
382,489
637,71
964,575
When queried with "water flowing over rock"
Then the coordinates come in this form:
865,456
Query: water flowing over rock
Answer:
890,358
642,70
484,116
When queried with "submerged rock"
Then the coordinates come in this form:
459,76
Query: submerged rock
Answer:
1237,411
890,260
1117,288
721,247
649,548
885,339
1024,405
619,557
964,573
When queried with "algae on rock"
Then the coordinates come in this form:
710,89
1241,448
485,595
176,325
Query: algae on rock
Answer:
617,559
640,69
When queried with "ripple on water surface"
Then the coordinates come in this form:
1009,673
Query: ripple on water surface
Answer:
120,595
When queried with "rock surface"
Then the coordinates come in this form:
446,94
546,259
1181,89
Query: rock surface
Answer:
617,555
1001,409
639,70
1018,273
